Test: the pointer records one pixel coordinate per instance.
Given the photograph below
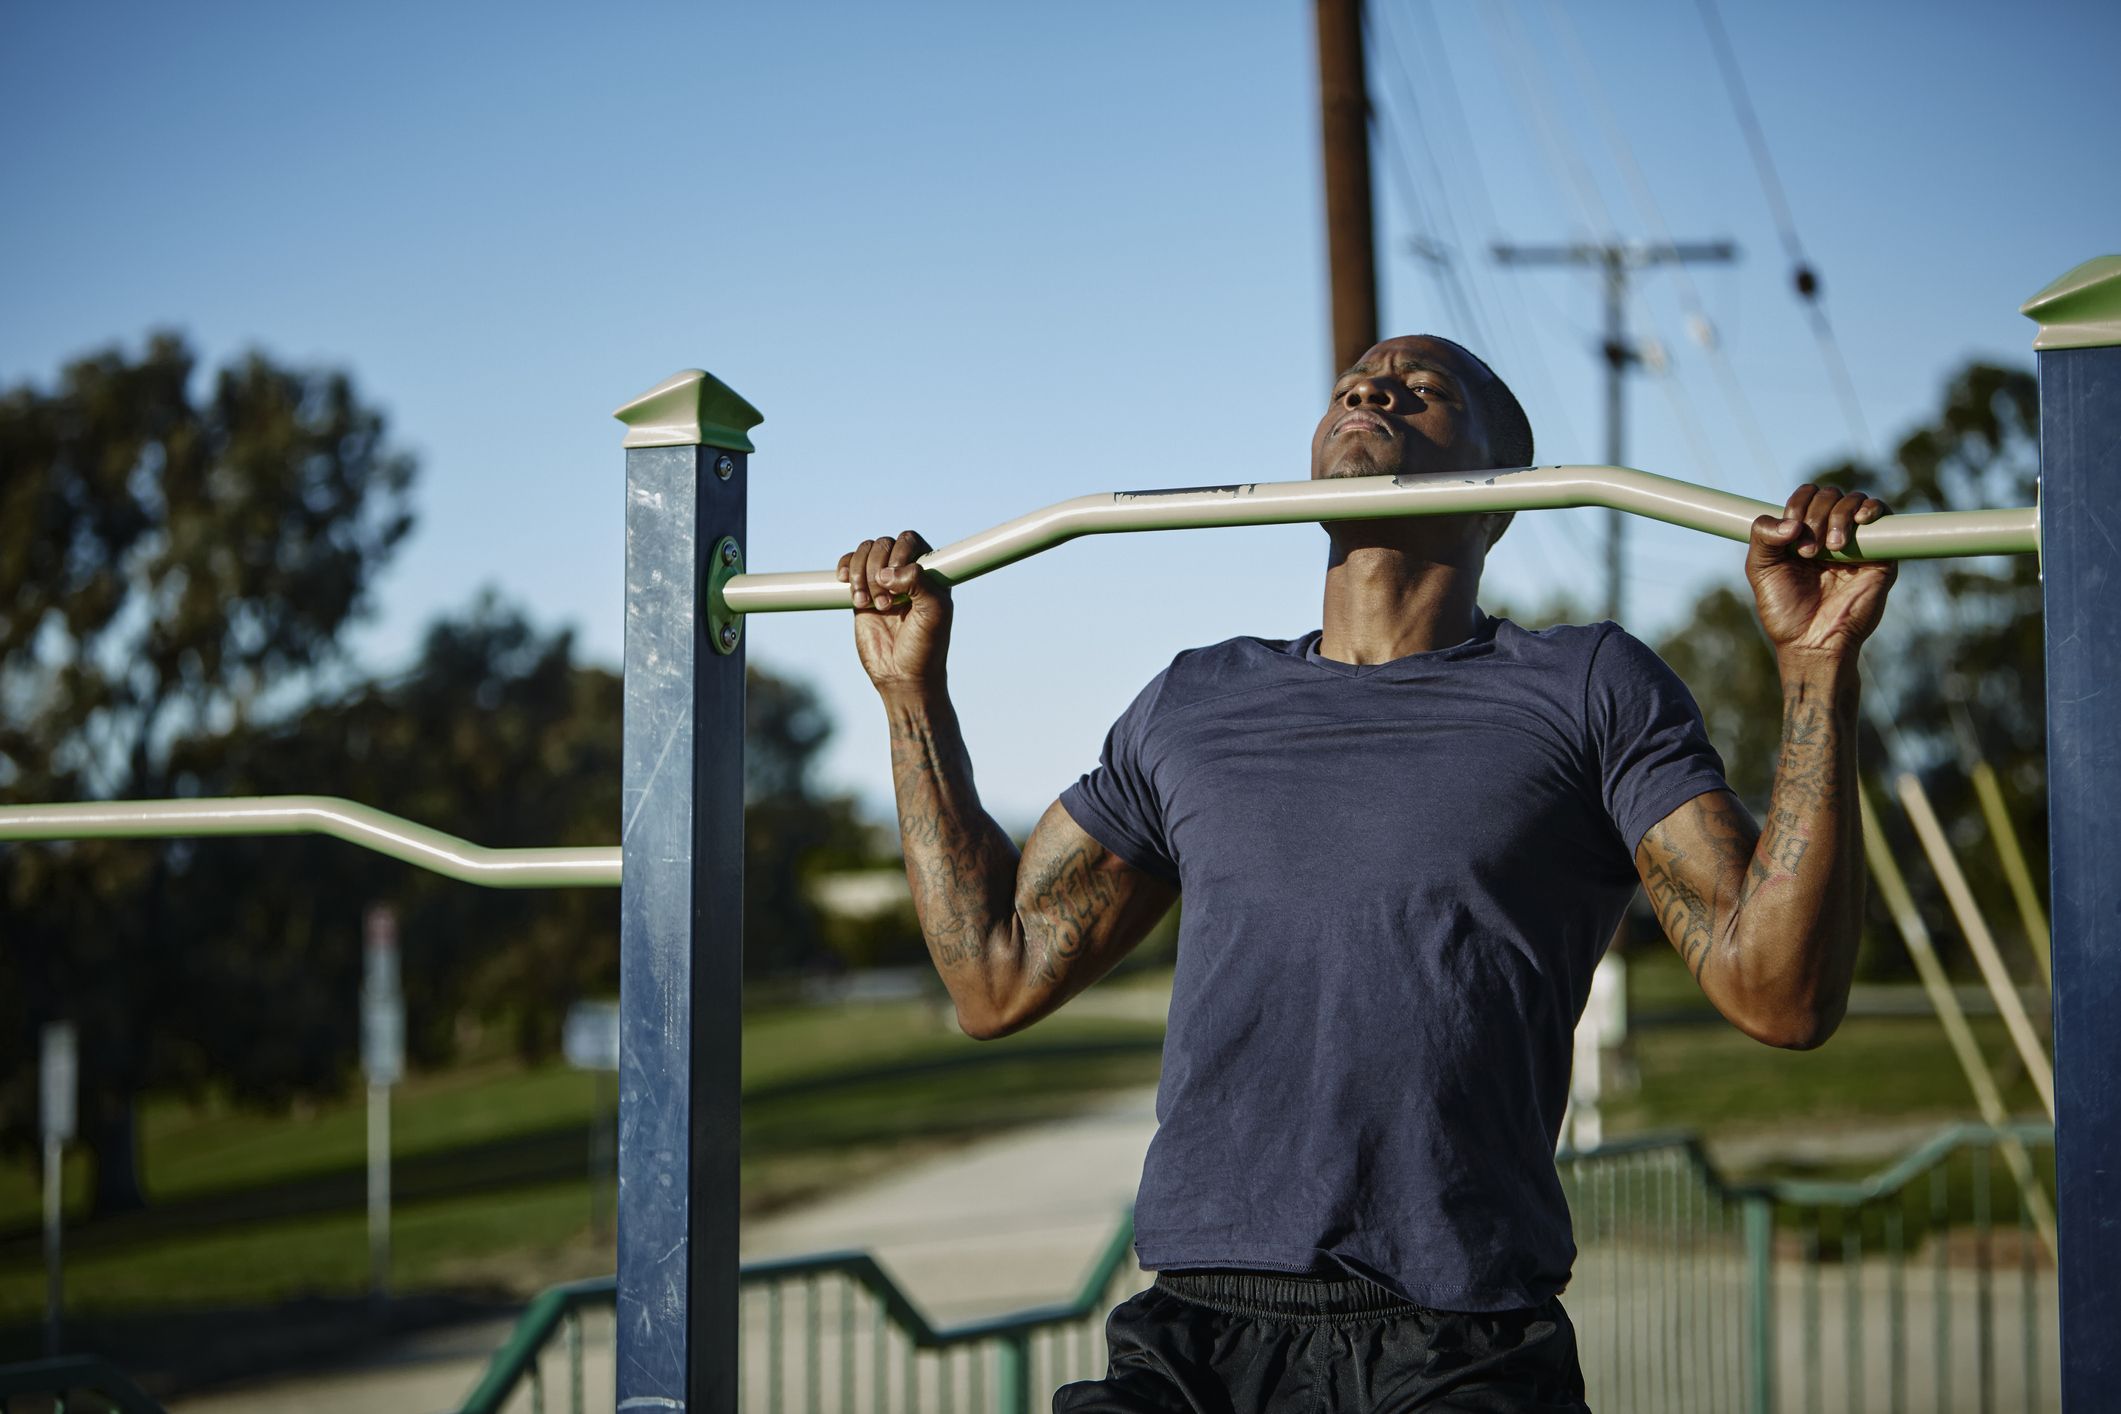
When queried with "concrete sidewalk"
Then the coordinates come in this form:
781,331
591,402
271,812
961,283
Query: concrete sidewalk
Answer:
1010,1223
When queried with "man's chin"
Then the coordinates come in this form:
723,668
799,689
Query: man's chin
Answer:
1353,466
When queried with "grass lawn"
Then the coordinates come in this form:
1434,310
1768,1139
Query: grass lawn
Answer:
1713,1080
490,1161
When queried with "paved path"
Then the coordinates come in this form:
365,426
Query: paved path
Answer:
997,1227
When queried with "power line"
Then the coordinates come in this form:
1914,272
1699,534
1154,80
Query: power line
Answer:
1702,328
1452,283
1526,349
1440,253
1802,275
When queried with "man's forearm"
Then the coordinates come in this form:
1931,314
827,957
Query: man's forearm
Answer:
1794,932
959,863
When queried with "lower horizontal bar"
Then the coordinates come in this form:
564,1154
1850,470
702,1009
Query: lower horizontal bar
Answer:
1925,535
438,853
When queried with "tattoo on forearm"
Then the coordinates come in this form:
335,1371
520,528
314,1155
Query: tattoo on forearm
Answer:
1065,900
1807,777
958,863
1689,919
1723,889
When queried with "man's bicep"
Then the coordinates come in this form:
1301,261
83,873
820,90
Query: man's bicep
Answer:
1692,864
1081,907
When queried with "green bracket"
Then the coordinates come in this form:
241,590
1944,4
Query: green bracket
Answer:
725,629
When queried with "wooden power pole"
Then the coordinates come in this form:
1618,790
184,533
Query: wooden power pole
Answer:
1344,128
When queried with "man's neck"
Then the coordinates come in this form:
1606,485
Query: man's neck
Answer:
1383,602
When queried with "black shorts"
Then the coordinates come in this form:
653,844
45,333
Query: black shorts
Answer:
1218,1342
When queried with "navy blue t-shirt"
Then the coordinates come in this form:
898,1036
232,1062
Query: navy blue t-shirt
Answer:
1397,878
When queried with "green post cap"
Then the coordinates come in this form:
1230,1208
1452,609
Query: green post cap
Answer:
690,409
2082,310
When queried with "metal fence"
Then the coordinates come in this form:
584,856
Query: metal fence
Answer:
829,1334
1926,1286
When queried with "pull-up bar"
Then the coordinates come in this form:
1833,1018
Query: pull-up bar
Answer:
1928,535
1923,536
348,820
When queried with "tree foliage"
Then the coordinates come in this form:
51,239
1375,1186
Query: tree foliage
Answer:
169,557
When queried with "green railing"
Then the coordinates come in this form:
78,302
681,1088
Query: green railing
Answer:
858,1343
83,1384
1932,1245
1690,1293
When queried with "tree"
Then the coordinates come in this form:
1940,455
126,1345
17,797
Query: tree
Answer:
1960,652
171,565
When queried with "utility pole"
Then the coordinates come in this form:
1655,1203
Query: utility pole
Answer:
1344,128
1614,260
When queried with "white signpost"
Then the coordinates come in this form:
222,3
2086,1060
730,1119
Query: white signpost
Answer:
590,1040
383,1059
57,1085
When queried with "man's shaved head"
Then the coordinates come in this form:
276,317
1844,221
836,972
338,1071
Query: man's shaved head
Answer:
1509,430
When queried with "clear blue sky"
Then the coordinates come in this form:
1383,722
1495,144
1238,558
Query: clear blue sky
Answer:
972,258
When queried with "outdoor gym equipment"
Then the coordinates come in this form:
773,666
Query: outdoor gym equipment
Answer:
687,467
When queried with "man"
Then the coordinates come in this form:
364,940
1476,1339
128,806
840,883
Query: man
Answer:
1404,840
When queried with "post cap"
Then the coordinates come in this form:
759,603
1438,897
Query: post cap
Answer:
2082,310
689,409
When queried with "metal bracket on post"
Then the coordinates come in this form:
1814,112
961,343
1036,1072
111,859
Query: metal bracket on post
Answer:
2080,505
681,899
725,629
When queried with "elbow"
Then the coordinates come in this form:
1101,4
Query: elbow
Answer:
980,1026
988,1026
990,1018
1793,1028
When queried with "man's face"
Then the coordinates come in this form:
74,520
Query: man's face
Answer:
1409,405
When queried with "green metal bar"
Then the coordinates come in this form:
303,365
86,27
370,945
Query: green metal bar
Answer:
1610,1172
1666,1200
1813,1393
2029,1306
846,1290
1012,1375
1852,1301
1929,535
1984,1304
1896,1309
574,1361
1633,1279
545,868
773,1349
881,1352
1686,1335
1940,1230
1759,1215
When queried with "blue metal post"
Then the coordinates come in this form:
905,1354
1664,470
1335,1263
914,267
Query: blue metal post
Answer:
681,909
2080,551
